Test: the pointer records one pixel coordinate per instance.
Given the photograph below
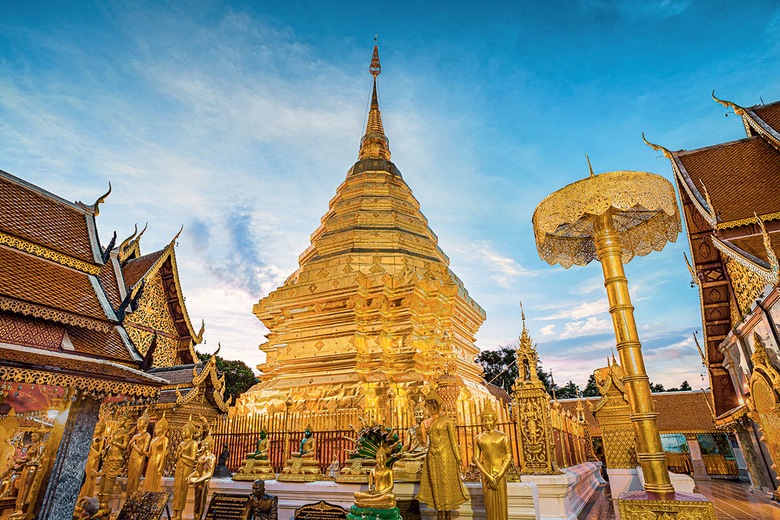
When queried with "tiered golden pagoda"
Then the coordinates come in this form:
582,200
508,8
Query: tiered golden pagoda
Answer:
373,310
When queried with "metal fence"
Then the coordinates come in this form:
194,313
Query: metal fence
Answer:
334,432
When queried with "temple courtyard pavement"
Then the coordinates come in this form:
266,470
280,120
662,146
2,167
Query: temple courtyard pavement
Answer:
732,500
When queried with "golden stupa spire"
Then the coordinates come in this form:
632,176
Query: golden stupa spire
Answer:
374,144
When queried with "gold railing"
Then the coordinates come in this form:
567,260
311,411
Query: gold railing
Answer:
334,431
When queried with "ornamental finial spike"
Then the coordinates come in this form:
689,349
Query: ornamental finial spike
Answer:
590,168
375,68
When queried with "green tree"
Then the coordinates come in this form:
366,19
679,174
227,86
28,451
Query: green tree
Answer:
500,366
685,385
567,391
656,387
238,376
591,390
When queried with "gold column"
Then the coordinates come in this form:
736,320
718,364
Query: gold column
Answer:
650,452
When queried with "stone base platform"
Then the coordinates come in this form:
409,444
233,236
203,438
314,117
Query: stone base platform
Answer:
537,497
562,497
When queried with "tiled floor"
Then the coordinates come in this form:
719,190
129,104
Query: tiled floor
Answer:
732,501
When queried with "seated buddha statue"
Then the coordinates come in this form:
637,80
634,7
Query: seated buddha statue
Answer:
408,467
303,466
256,465
380,486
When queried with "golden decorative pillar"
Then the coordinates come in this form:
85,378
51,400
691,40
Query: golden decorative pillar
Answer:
612,217
532,409
614,417
764,401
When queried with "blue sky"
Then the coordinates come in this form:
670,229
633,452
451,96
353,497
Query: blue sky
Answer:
239,120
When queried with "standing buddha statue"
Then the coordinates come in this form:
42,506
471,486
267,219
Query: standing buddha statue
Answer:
440,484
201,476
492,456
139,450
93,462
158,448
186,454
113,463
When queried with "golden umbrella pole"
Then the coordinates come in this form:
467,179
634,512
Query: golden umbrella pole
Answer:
613,217
650,452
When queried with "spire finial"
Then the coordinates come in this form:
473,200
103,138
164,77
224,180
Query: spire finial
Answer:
375,68
590,168
374,144
522,314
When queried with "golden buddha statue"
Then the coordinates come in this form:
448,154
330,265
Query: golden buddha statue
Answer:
256,465
440,484
492,456
158,448
139,450
113,463
303,466
201,476
408,467
186,454
32,462
93,462
380,485
8,427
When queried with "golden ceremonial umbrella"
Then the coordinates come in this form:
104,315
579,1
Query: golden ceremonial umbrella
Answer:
612,217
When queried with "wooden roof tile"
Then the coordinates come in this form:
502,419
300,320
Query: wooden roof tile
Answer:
42,218
741,177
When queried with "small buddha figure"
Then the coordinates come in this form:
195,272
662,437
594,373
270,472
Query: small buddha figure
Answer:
201,476
440,484
158,448
261,448
492,456
113,463
186,454
256,465
308,447
93,462
408,468
303,466
222,471
139,451
380,485
31,465
264,507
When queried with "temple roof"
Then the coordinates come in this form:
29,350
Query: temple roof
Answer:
678,412
64,299
753,162
37,216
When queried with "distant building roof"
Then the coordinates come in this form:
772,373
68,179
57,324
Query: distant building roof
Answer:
678,412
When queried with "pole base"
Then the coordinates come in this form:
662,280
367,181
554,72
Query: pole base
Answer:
641,505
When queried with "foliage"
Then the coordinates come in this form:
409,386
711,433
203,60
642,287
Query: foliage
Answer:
500,366
238,376
591,390
683,387
501,369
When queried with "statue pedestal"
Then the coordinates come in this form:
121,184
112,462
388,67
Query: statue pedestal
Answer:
254,469
641,504
407,470
356,471
358,513
301,470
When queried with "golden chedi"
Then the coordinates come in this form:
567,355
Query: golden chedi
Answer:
369,306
